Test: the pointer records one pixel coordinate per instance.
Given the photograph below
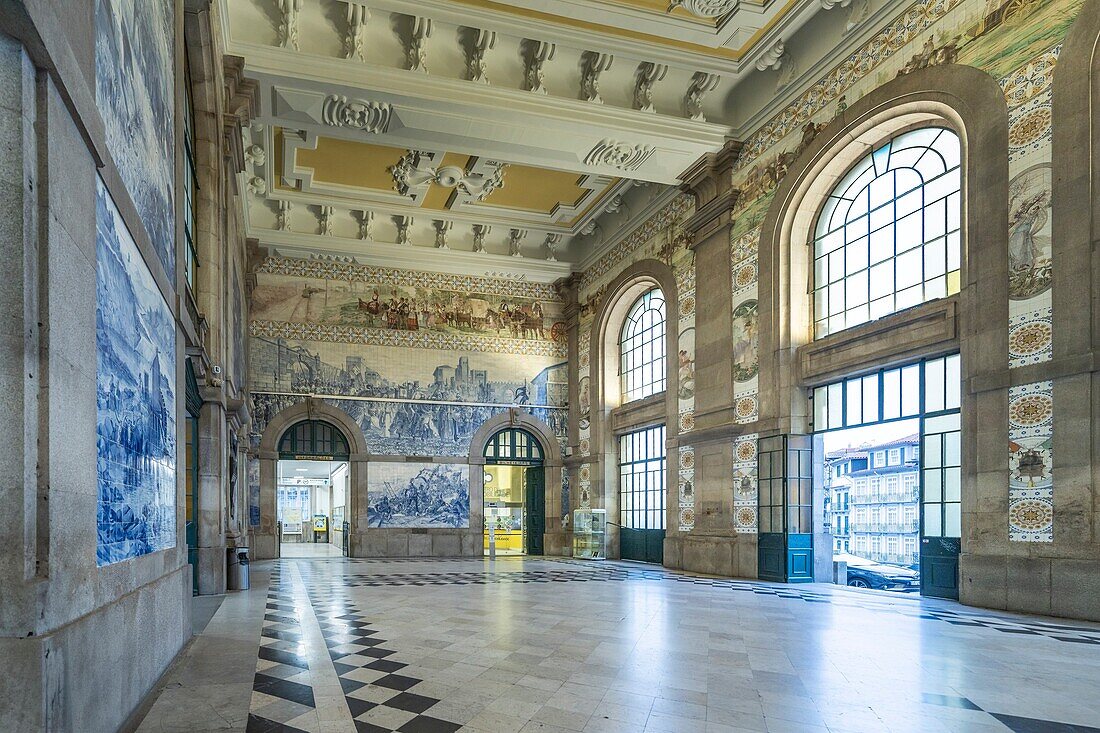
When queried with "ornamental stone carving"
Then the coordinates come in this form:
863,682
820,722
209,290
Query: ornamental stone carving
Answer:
414,171
617,154
289,11
593,63
480,230
704,8
481,42
370,117
358,15
537,53
648,74
702,84
772,58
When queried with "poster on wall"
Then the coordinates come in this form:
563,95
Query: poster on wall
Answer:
135,398
407,495
135,83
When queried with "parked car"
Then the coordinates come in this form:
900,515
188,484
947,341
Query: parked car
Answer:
864,573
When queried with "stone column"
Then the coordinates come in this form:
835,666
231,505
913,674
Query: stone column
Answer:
265,538
210,519
712,546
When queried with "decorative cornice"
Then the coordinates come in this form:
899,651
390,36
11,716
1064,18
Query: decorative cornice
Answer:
704,8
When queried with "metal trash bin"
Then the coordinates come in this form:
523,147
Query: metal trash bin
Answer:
237,578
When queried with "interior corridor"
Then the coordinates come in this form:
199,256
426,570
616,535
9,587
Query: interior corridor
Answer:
561,645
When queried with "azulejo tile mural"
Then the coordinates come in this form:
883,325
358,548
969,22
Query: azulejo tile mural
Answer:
686,487
745,483
134,61
411,495
378,299
1031,462
135,398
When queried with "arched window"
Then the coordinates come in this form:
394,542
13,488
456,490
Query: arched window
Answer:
888,236
642,347
513,445
314,439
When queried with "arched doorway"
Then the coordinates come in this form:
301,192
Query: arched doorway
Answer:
308,432
313,490
514,493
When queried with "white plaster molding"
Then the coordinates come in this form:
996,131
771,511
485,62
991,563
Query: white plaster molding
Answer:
705,8
617,154
702,83
370,117
257,185
593,63
358,16
536,54
481,42
289,13
648,74
772,58
830,4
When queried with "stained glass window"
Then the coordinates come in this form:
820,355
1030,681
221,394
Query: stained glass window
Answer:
888,236
642,347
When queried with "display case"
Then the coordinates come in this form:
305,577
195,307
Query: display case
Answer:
588,533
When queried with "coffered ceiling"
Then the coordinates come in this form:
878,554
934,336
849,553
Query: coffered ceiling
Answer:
480,128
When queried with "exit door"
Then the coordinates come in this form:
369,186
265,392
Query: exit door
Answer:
941,506
535,506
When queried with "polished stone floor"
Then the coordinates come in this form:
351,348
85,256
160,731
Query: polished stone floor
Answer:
310,550
333,645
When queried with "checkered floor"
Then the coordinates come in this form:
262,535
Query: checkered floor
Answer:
370,646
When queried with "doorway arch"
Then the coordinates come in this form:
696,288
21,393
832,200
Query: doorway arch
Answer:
322,423
556,539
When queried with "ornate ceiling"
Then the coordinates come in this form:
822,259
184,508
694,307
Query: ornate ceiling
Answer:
484,129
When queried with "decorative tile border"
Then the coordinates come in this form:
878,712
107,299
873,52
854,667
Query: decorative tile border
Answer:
1031,462
686,487
745,487
1031,337
409,339
354,272
663,219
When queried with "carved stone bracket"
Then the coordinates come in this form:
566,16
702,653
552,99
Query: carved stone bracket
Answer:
358,15
415,172
480,42
289,12
702,84
480,231
648,74
415,53
515,239
442,227
552,241
704,8
537,53
593,63
772,58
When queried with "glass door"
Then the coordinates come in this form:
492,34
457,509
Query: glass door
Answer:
941,506
642,495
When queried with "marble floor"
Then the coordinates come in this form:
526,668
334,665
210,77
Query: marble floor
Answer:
310,549
559,645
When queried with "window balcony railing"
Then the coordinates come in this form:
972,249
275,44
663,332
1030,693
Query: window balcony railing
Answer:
885,527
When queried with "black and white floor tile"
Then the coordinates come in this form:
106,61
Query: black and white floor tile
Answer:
542,645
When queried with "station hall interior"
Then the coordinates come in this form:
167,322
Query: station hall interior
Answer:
617,366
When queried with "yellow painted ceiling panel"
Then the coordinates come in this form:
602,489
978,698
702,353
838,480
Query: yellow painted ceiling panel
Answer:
537,189
351,163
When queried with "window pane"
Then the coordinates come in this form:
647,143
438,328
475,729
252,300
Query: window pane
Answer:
908,237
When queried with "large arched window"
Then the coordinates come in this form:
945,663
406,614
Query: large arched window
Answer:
313,439
888,236
642,347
